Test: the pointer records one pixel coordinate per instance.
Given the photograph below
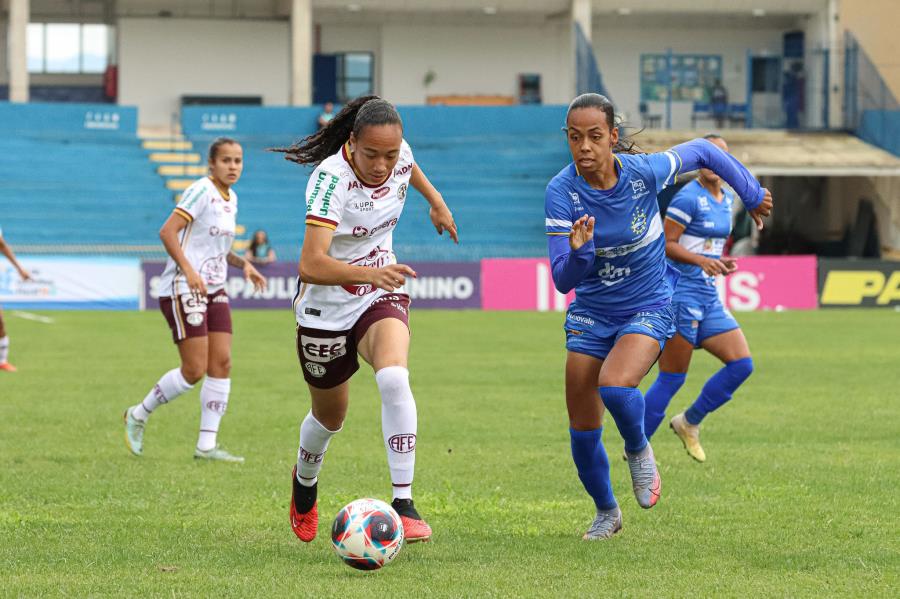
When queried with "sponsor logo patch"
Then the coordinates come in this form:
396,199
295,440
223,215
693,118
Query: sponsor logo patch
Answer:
380,192
316,370
318,349
195,319
403,443
311,458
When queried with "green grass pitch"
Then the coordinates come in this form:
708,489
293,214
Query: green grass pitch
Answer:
798,496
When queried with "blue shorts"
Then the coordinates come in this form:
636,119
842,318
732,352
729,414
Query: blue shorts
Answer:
697,322
595,335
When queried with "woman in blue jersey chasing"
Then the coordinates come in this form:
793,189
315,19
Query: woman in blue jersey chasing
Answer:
606,242
698,222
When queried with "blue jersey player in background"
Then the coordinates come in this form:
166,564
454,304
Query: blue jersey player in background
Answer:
698,221
606,242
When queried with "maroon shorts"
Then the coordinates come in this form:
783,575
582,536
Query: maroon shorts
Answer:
329,358
189,317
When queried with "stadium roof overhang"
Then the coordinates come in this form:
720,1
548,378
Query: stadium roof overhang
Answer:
792,154
615,12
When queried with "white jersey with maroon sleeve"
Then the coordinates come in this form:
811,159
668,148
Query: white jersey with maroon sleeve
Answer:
205,241
363,218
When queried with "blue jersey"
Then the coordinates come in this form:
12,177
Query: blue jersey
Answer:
623,269
629,272
707,224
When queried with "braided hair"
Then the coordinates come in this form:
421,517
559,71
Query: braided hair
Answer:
626,144
355,116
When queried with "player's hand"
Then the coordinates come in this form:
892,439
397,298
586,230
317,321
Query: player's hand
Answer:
582,232
25,275
713,267
391,277
252,275
764,209
195,284
730,264
442,219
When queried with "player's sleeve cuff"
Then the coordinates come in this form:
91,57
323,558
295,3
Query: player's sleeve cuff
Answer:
318,221
679,216
184,214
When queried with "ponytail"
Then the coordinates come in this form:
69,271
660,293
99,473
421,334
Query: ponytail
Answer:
353,118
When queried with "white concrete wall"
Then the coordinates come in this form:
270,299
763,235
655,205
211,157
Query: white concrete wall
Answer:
473,59
618,51
162,59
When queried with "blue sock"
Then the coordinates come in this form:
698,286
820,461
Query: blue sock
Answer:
626,404
593,466
658,397
718,389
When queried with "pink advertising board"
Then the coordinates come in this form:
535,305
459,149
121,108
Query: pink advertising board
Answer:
772,283
761,283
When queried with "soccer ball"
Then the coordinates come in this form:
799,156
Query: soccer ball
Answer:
367,534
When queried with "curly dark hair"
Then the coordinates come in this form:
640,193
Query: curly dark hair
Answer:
355,116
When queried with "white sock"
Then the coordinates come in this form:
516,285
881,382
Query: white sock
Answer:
213,403
4,349
171,385
398,423
314,440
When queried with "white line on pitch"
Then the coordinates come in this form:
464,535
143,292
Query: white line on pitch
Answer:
32,316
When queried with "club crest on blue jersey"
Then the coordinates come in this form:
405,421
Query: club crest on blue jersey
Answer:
638,222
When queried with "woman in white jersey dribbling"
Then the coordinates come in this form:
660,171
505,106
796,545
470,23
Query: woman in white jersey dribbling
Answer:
198,237
351,301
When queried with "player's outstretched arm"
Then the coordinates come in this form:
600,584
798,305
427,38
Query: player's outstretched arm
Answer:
318,268
440,214
701,153
7,251
250,272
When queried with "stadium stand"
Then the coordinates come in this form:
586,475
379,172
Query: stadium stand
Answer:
82,174
488,162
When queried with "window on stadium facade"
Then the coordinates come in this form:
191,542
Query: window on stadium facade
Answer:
67,48
355,75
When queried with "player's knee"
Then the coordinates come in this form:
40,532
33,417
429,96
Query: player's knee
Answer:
193,371
619,379
740,369
221,368
331,421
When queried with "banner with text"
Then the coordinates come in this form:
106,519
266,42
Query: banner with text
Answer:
448,285
761,283
72,283
869,283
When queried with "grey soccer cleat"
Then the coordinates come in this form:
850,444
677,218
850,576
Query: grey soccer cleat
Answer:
605,525
644,477
217,454
134,432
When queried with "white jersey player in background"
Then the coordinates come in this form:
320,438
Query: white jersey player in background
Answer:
198,237
350,300
5,366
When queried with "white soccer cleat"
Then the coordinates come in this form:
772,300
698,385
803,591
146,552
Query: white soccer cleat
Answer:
689,435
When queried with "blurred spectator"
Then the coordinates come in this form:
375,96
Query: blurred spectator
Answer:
327,115
718,99
260,252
